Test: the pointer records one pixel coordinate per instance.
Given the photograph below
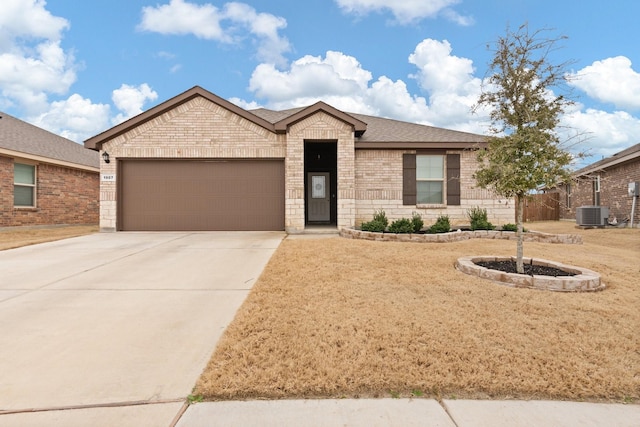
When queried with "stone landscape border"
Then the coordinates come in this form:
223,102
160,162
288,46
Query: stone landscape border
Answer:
458,236
584,280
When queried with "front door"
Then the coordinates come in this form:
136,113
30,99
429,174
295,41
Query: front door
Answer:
318,197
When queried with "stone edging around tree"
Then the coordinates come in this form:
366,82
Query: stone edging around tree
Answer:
584,280
457,236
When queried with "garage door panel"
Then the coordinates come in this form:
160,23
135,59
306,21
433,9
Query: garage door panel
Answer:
201,195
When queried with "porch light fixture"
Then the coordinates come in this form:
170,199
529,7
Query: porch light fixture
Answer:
105,157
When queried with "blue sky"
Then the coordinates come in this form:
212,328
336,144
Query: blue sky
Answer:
78,68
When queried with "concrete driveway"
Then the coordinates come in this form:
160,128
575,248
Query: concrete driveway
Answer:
117,326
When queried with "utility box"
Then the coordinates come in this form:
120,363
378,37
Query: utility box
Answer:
592,215
634,189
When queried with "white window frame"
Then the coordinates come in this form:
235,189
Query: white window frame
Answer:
442,180
32,186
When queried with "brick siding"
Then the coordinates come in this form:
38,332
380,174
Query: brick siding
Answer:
63,196
370,180
379,186
614,184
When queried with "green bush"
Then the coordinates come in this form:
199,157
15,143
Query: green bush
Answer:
381,217
402,225
378,224
442,225
478,218
417,222
374,226
511,227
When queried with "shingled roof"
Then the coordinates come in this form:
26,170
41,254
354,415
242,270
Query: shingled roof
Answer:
388,133
21,139
623,156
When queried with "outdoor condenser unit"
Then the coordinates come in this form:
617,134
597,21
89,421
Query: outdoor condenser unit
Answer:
592,215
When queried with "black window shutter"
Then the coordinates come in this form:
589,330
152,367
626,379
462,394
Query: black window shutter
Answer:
409,189
453,179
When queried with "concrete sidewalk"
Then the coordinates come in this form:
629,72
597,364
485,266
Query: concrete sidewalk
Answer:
410,412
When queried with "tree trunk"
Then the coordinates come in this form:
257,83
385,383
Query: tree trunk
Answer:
519,234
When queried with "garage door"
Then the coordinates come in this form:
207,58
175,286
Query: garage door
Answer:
185,195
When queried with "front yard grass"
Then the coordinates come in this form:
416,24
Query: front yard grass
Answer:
15,237
333,318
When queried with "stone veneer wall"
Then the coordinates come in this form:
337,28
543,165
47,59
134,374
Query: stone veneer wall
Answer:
196,129
379,186
459,236
63,196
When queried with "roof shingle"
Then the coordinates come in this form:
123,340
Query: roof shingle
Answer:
20,136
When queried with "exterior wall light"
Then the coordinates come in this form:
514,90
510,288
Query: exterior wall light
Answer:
105,157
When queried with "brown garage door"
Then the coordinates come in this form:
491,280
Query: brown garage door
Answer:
185,195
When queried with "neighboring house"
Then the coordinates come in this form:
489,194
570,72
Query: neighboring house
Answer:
604,183
199,162
45,179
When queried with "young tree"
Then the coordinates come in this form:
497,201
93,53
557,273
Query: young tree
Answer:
524,150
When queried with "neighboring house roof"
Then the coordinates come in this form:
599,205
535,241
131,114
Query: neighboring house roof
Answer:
370,132
623,156
21,139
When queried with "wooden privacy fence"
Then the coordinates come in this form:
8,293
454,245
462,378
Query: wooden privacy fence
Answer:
542,207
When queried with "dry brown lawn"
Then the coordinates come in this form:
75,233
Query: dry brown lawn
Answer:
16,237
350,318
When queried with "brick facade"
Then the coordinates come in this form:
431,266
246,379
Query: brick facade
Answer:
64,195
614,182
379,186
201,127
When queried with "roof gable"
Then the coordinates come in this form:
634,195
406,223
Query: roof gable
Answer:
95,142
282,125
21,139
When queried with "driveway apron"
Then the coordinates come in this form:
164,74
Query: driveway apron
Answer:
113,318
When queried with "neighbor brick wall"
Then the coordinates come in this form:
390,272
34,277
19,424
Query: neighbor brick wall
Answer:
614,182
378,181
63,196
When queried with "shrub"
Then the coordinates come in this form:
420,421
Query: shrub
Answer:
478,218
402,225
442,225
417,222
378,224
381,217
511,227
374,226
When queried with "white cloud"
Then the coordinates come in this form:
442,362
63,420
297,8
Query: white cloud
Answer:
32,62
231,24
604,133
28,19
406,11
310,77
611,80
340,81
450,89
450,82
130,100
75,118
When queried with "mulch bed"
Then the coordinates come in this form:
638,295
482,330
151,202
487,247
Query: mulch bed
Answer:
529,269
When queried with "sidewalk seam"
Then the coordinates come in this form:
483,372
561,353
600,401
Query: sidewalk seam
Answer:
441,402
90,406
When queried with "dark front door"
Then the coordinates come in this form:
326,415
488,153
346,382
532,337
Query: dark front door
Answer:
319,196
321,179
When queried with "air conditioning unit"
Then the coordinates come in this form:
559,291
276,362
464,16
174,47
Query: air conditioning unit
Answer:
592,215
